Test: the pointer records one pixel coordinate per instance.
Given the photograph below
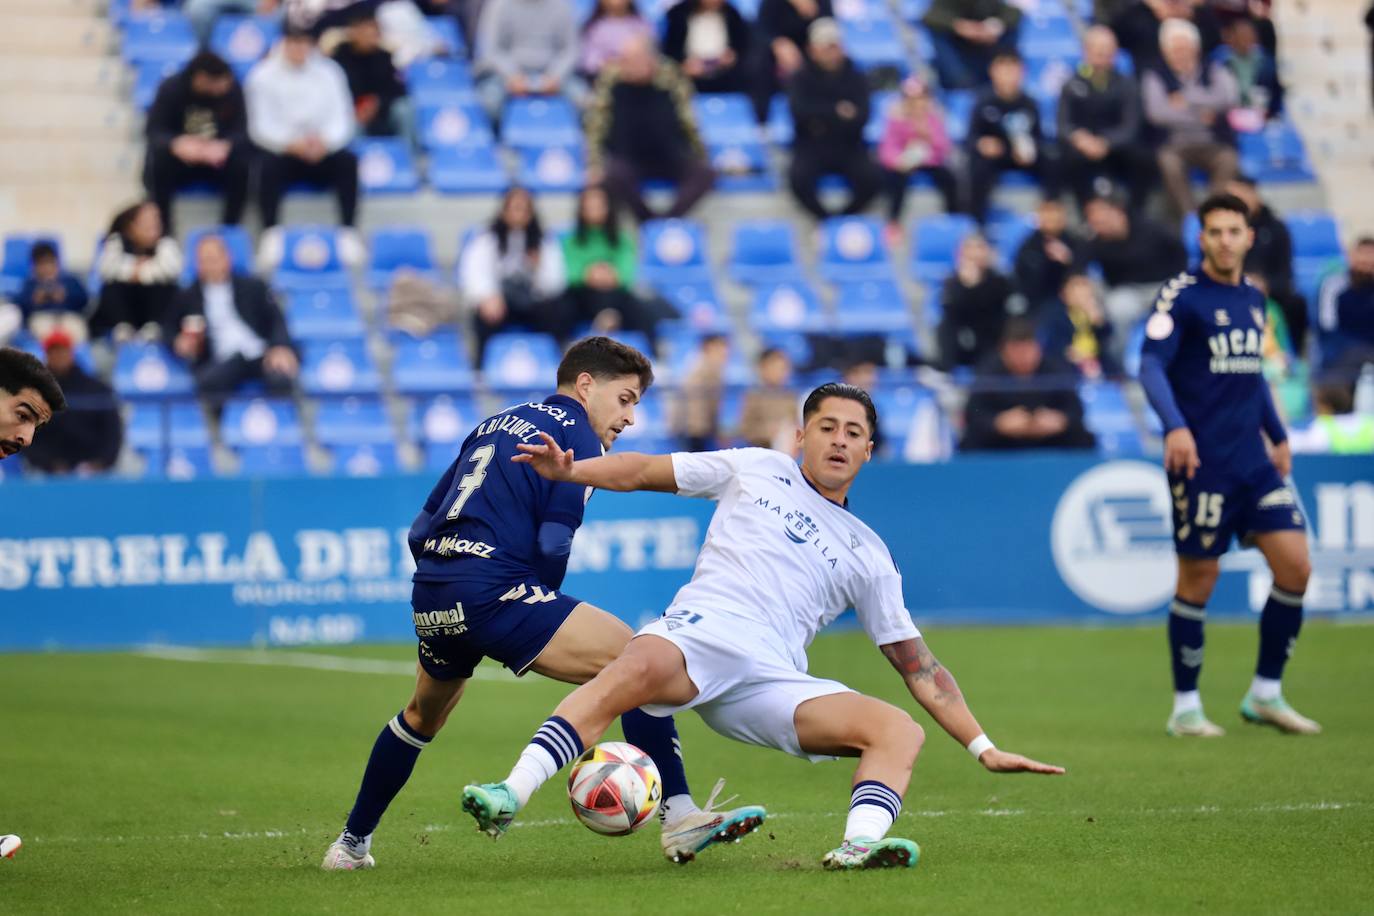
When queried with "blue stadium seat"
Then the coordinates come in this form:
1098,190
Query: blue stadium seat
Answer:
430,364
796,346
243,40
935,244
742,168
17,265
958,105
396,247
366,460
235,239
152,426
852,250
699,304
338,367
874,42
673,251
519,360
726,118
272,461
147,370
1275,155
473,170
178,463
880,104
446,29
440,81
454,125
1191,229
860,10
161,36
1315,234
787,307
310,258
552,169
386,166
1108,415
681,349
650,432
260,421
148,77
1006,232
909,418
1050,36
352,421
1045,78
779,125
23,340
323,314
764,251
871,307
444,420
550,121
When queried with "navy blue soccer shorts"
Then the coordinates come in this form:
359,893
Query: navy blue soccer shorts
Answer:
1215,507
460,623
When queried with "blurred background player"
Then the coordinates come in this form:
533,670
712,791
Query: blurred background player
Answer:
29,397
783,558
491,548
1201,369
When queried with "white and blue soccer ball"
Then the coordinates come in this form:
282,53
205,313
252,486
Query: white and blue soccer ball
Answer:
614,788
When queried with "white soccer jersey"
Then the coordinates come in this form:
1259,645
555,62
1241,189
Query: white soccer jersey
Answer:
780,555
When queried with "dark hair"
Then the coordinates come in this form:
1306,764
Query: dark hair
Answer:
1008,54
124,218
41,251
612,224
1364,240
1335,395
598,13
1018,330
1225,203
534,233
604,358
770,352
848,393
1246,180
209,63
20,370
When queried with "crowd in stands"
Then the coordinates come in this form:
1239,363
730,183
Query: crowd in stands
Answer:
1021,312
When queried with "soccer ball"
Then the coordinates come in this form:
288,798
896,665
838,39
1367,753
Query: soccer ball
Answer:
614,788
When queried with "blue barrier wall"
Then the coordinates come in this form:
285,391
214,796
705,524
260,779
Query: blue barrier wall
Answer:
112,563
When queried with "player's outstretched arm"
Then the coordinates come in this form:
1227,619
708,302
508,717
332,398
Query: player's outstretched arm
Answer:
935,689
624,472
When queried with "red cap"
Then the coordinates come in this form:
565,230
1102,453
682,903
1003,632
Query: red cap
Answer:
58,338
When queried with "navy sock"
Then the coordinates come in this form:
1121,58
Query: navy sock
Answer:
1280,623
393,757
657,737
1185,643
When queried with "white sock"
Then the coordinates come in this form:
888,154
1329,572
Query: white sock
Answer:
872,809
1187,700
676,807
359,845
554,746
1265,689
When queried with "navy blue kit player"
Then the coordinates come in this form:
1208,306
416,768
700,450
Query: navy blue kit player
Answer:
1201,370
491,547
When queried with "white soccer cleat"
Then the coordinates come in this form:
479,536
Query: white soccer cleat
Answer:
1278,713
9,845
691,833
1191,723
348,854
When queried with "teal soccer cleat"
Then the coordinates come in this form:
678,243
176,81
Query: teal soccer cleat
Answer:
1191,723
893,852
1278,713
493,805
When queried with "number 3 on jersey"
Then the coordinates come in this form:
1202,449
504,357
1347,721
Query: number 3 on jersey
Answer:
471,481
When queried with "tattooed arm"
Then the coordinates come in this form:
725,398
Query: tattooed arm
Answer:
935,689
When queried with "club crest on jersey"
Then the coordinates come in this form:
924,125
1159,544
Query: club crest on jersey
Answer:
799,528
1223,318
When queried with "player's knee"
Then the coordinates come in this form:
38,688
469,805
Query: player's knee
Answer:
423,720
909,737
1293,577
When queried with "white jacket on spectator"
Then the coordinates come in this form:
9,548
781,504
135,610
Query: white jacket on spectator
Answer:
286,103
114,264
482,267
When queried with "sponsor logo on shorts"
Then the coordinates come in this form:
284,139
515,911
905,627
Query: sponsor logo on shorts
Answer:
1282,498
453,547
441,623
536,594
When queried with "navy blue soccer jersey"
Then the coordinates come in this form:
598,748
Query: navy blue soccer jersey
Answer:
481,522
1208,338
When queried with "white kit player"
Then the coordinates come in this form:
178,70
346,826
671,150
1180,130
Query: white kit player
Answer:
783,558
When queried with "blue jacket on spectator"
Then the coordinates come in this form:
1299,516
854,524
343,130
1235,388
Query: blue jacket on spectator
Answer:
63,294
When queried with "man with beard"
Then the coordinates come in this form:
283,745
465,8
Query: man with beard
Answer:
29,396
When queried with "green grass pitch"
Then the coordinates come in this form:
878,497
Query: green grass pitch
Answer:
145,785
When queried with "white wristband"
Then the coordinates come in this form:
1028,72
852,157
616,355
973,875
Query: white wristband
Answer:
980,744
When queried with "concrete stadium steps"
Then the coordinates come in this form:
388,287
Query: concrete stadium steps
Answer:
35,33
68,114
86,8
23,75
37,161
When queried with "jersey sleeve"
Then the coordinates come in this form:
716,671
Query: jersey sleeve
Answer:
567,501
881,609
705,475
1163,332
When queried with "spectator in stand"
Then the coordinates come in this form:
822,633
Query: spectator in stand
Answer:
1254,69
710,41
1345,315
967,35
641,125
915,142
512,275
696,409
138,265
1135,254
1099,124
1137,27
1004,133
1271,257
380,105
229,328
975,301
1077,329
203,13
830,105
197,131
782,36
1023,398
526,48
1187,103
51,298
1336,429
301,116
1048,257
85,438
612,25
769,417
601,262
